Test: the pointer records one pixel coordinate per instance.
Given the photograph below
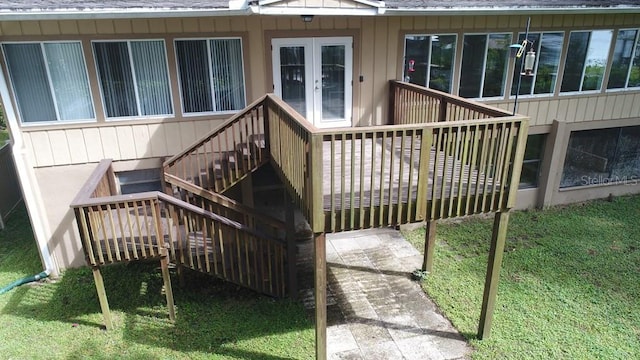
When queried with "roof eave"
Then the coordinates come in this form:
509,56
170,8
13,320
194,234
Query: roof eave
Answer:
513,11
119,14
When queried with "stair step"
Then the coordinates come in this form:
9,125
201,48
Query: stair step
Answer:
257,140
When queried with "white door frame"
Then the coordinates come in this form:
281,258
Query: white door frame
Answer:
313,76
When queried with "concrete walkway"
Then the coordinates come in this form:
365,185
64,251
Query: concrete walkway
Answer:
375,310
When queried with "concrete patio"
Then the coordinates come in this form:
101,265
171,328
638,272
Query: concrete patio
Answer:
375,310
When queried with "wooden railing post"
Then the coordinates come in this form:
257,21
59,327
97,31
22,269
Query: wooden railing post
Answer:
423,174
442,110
393,89
265,115
315,184
517,162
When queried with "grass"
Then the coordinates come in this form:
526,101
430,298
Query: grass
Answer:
62,319
569,286
4,136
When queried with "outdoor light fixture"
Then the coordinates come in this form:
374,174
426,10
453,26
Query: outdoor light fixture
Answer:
306,18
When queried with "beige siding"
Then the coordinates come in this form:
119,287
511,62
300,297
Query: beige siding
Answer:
380,44
123,142
577,108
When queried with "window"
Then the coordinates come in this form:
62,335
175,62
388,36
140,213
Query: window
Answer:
586,60
211,75
547,47
49,81
429,59
625,67
133,77
532,160
602,156
484,65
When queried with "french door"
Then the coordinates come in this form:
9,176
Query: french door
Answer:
315,77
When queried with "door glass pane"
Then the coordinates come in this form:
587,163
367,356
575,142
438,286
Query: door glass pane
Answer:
292,77
333,73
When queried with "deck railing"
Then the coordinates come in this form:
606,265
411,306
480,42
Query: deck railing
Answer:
413,104
118,228
443,157
296,152
397,174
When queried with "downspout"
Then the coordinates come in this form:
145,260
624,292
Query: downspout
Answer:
28,183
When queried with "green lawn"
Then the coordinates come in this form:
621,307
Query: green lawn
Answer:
63,320
569,288
4,135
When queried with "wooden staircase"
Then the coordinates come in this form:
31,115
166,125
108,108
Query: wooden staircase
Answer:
443,157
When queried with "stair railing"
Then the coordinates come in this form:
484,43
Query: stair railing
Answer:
120,228
225,155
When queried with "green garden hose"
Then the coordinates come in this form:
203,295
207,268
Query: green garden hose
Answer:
25,280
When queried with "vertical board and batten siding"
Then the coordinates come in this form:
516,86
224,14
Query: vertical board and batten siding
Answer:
380,43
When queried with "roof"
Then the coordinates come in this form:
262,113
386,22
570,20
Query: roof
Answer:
41,5
513,4
61,9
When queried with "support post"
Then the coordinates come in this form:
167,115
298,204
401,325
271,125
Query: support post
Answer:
291,245
320,276
246,187
102,297
429,245
498,237
164,265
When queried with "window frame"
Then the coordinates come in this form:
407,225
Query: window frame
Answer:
560,66
209,63
538,160
135,82
598,180
454,75
505,89
607,65
14,97
636,44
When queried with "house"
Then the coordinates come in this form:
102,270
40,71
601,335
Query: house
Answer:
140,81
